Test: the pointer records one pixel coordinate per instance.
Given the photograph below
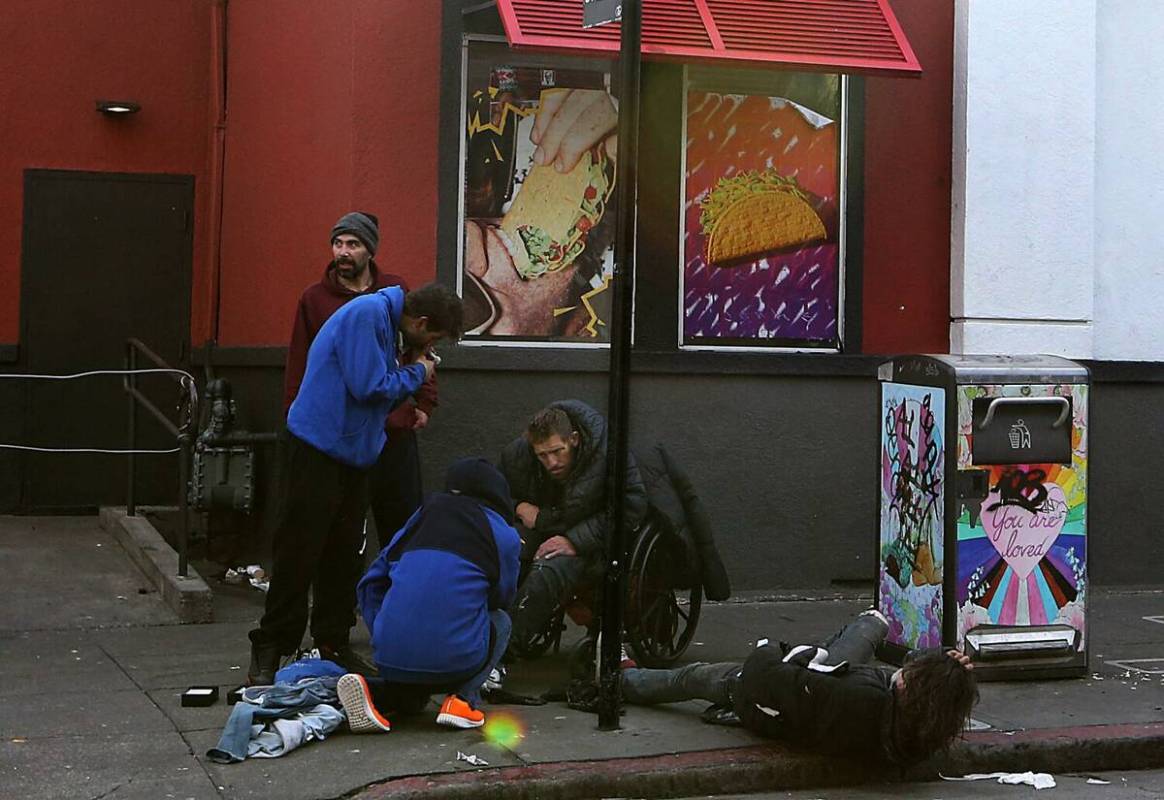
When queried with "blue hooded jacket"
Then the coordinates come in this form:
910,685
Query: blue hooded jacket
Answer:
427,597
353,380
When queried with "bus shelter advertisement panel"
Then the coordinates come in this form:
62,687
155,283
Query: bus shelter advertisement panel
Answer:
538,197
761,237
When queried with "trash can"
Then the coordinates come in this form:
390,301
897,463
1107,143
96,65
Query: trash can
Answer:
983,511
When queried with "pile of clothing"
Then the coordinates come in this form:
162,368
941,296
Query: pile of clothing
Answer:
270,721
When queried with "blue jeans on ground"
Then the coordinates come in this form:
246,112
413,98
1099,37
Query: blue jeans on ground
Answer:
715,683
412,697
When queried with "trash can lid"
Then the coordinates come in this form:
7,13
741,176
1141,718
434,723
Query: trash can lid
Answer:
979,369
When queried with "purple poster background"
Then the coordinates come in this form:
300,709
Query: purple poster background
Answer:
790,297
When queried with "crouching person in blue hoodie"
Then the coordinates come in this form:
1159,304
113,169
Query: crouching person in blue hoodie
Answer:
435,601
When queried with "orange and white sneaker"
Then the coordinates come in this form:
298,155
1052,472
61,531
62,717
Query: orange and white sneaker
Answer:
357,702
457,713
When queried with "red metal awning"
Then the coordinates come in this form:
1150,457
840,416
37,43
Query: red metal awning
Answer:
835,35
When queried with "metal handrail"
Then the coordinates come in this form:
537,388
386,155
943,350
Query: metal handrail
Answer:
184,432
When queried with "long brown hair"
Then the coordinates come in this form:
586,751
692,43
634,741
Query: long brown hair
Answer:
933,705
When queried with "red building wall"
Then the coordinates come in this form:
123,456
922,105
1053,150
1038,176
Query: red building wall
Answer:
332,106
908,148
57,59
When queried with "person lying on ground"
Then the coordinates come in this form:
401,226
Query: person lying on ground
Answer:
828,699
435,601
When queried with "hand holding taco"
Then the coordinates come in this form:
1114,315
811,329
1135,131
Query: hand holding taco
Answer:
569,123
550,220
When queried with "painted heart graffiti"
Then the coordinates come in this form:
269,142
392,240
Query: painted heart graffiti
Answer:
1021,536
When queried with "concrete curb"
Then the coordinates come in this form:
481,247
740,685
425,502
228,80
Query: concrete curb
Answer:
189,597
1072,749
734,771
771,767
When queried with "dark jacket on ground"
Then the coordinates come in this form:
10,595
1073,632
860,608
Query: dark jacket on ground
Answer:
575,508
427,597
318,302
672,494
843,713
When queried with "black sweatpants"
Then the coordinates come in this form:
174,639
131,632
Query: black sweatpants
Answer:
395,485
317,548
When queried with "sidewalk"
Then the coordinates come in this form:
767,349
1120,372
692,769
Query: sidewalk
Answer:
92,671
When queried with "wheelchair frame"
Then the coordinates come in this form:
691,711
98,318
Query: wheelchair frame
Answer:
658,628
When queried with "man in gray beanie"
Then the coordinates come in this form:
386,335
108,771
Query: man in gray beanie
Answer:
363,226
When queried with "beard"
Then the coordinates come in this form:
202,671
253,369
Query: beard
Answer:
349,269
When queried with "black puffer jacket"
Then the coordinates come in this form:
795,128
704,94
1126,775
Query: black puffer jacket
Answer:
671,493
575,509
848,712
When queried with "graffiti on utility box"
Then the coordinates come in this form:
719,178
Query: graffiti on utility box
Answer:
911,550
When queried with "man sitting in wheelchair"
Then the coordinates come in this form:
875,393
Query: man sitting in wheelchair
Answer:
557,473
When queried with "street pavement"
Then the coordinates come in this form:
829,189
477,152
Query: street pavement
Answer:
93,665
1123,785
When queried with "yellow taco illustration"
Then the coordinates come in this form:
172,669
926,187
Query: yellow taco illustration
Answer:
753,213
548,222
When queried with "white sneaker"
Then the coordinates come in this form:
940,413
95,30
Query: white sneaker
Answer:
496,679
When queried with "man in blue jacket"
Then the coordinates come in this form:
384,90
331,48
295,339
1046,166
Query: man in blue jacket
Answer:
435,601
335,427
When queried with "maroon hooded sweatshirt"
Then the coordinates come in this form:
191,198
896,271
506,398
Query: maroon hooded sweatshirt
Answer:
318,302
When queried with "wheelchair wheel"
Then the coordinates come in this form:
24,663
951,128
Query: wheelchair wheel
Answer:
660,617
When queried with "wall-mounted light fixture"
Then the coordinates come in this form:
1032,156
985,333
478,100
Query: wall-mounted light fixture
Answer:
118,107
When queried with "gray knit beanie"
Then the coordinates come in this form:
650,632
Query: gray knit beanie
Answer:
362,225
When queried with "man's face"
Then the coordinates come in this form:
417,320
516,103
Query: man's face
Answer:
418,336
350,255
557,455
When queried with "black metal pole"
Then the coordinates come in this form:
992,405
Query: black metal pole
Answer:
183,504
131,465
626,183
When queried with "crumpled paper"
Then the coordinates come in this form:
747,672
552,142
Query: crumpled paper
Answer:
253,574
475,760
1040,780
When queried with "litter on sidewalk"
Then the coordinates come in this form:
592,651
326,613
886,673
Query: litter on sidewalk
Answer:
253,574
1040,780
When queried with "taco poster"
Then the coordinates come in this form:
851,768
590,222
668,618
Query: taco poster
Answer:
761,223
540,143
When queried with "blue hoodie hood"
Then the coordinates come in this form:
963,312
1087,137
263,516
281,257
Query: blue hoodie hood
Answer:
480,480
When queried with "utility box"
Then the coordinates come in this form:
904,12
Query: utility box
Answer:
983,511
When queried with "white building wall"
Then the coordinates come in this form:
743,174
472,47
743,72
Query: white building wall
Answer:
1024,191
1058,228
1129,181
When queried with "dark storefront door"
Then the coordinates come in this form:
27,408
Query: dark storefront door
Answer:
105,257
